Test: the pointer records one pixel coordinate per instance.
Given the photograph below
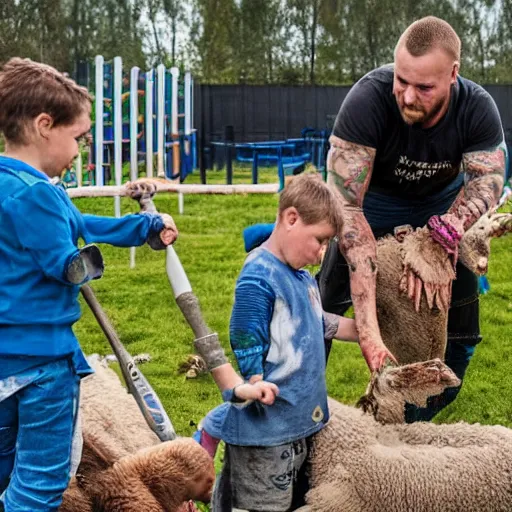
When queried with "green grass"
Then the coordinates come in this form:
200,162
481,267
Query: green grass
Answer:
141,305
241,174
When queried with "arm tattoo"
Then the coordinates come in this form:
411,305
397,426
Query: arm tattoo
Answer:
349,166
484,181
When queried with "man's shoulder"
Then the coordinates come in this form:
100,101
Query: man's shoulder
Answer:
383,74
376,83
471,93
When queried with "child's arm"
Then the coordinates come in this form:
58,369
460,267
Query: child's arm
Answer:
233,387
339,328
344,329
249,337
39,220
158,230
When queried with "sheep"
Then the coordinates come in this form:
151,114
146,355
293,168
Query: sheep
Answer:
392,387
156,479
110,412
124,466
418,332
359,465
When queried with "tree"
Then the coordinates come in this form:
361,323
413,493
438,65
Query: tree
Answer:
213,39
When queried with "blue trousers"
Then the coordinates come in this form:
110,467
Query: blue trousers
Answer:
36,432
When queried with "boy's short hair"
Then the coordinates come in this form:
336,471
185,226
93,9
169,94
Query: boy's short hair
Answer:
313,199
29,88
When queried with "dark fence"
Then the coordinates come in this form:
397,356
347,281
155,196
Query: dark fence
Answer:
261,113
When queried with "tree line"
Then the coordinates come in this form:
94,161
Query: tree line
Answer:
289,42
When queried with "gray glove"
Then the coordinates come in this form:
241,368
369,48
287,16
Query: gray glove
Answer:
87,265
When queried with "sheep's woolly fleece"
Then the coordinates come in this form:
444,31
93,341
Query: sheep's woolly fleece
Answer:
156,479
359,465
124,466
109,412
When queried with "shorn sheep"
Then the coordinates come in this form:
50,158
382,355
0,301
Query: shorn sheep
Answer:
371,462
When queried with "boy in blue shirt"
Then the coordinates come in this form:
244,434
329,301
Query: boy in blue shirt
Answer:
43,115
277,333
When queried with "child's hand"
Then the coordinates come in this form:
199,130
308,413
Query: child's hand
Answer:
262,391
169,234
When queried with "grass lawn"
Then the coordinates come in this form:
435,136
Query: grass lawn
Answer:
141,305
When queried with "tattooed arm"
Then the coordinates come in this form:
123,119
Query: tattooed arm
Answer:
350,166
485,171
484,182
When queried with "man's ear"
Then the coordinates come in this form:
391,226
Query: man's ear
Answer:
455,72
43,123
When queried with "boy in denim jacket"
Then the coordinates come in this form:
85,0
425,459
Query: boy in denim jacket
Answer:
43,115
277,333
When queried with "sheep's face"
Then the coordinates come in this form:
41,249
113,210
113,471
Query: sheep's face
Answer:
413,383
426,376
178,470
475,246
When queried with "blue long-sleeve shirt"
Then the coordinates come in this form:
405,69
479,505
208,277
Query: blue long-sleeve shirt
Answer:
277,330
39,233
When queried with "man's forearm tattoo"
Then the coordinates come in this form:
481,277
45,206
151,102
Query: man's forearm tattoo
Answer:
484,182
350,166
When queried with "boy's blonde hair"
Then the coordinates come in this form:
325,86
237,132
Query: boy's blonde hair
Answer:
29,88
313,199
429,33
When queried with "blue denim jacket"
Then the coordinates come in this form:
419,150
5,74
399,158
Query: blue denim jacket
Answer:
40,230
276,329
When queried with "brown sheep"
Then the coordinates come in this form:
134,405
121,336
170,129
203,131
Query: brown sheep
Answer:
156,479
124,467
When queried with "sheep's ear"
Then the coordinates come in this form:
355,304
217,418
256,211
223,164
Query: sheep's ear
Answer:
368,404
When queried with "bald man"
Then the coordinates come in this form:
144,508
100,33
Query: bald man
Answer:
413,143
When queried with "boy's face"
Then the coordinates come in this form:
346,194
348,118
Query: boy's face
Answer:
58,145
303,244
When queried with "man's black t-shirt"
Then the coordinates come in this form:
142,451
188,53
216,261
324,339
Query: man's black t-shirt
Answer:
412,162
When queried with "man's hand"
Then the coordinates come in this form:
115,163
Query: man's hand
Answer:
447,231
262,391
376,354
426,266
169,234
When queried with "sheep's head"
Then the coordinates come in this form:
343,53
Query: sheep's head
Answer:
475,246
391,388
174,471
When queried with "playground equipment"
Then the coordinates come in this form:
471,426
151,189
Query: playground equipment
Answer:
289,156
136,116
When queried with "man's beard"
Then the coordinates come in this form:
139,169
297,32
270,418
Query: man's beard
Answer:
419,115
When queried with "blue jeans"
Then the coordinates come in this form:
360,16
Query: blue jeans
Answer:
36,431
